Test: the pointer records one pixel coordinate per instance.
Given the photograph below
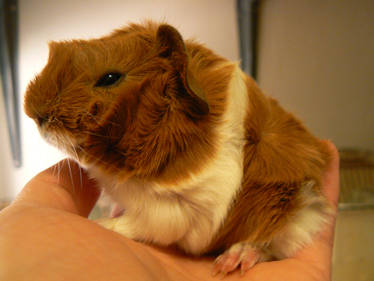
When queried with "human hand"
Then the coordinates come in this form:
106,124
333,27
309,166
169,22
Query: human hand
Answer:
45,235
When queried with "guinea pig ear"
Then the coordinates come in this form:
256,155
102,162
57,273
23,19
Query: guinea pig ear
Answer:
170,45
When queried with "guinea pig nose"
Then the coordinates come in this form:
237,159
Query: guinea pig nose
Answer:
41,120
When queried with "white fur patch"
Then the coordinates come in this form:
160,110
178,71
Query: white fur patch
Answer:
191,213
304,226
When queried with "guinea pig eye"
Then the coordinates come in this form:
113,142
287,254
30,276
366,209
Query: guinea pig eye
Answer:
108,79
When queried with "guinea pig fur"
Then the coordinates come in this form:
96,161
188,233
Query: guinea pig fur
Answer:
185,142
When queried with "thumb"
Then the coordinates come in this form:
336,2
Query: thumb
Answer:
64,186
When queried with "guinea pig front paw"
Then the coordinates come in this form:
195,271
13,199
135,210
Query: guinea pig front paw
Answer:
108,223
241,255
119,224
116,211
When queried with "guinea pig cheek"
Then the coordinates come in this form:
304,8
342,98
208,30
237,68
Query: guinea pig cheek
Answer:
96,108
92,116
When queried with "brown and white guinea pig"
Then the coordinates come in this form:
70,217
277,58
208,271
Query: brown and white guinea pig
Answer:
185,142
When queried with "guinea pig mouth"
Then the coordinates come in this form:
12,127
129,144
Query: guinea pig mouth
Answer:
60,138
55,139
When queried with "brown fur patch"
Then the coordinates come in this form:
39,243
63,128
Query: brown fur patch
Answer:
152,124
279,156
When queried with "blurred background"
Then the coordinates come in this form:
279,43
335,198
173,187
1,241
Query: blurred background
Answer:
315,56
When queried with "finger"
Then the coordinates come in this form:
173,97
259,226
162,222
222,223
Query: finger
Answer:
330,180
63,186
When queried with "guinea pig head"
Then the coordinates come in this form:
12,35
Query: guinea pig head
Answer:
121,102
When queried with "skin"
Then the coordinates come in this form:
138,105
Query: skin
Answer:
45,235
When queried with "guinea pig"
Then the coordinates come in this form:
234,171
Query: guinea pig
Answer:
186,143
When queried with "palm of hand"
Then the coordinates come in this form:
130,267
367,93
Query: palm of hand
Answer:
45,235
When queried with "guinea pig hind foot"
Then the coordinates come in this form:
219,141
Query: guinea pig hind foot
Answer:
240,255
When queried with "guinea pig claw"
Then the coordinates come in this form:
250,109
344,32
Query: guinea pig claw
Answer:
249,259
224,264
240,254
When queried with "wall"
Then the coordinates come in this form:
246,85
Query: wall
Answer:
6,182
317,58
211,21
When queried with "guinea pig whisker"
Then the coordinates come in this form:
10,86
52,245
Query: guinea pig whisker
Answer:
55,170
58,171
71,175
96,134
93,117
74,150
98,120
80,178
97,160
